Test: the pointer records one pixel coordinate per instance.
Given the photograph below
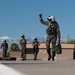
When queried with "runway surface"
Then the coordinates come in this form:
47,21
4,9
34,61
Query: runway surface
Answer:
41,67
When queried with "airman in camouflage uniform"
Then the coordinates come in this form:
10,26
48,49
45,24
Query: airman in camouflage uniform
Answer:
23,47
4,46
35,48
53,33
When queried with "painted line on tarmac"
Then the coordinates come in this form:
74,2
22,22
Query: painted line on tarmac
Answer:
4,70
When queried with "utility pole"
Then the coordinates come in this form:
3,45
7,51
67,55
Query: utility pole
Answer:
68,39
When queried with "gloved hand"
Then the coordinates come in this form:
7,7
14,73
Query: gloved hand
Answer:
40,15
59,40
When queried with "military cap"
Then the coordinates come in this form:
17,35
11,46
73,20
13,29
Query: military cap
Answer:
4,41
35,38
22,36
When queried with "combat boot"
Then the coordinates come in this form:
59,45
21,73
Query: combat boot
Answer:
49,57
35,56
53,55
53,58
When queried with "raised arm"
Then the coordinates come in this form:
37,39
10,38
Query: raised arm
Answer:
42,21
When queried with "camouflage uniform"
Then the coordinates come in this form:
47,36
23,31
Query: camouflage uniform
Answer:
4,46
35,48
23,47
53,33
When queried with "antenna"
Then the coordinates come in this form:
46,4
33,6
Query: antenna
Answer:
68,39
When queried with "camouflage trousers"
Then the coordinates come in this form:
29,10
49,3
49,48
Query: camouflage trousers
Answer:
4,54
23,53
51,39
35,51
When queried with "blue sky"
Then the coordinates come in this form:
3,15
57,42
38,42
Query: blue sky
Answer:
19,17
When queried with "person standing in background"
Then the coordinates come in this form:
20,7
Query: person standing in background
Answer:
23,47
35,48
4,46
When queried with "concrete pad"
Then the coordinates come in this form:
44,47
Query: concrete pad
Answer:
42,67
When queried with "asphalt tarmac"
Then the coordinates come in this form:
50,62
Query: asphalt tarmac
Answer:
42,67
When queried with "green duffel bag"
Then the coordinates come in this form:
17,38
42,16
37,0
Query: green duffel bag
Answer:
58,49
